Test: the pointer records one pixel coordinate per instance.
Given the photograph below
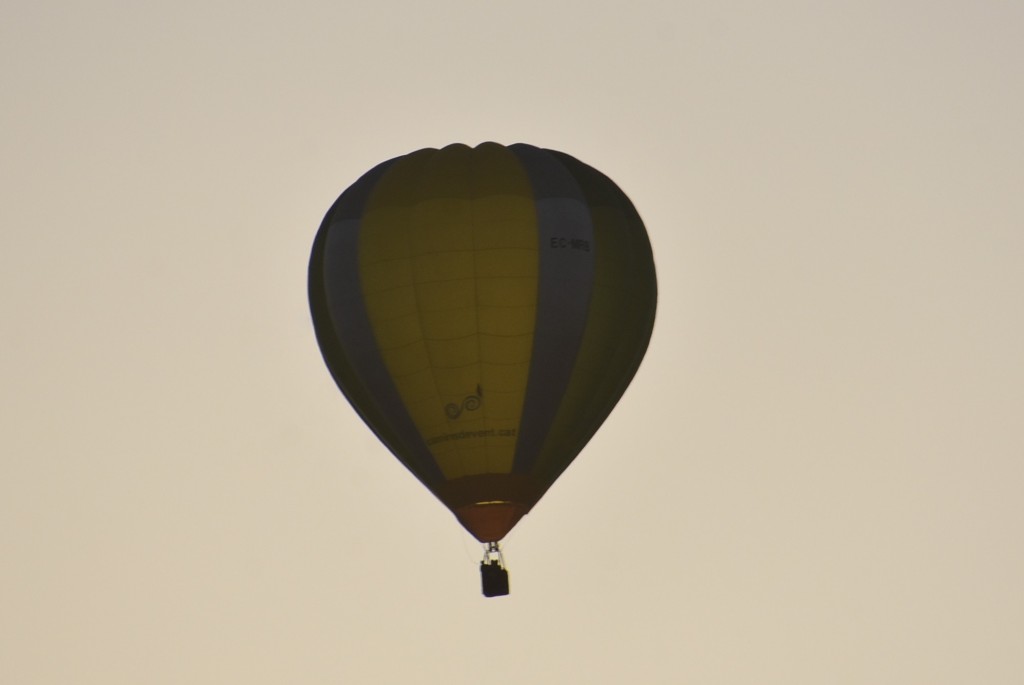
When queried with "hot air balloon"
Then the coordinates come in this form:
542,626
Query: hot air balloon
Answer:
483,309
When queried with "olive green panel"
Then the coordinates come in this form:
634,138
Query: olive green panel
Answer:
448,267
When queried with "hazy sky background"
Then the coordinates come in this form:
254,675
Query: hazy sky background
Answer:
816,476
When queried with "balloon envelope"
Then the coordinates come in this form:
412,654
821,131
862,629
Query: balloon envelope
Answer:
483,309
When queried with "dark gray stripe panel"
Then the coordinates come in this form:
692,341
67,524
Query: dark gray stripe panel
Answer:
350,325
566,242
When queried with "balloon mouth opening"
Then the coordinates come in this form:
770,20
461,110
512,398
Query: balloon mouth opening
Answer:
490,521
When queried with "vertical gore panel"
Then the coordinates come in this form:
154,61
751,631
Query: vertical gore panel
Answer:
362,371
566,241
448,266
619,322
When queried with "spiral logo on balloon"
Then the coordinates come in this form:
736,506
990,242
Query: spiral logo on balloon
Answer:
469,403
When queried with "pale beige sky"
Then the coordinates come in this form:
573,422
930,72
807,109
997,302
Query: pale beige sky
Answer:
815,478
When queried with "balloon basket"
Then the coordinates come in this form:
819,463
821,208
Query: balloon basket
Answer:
493,573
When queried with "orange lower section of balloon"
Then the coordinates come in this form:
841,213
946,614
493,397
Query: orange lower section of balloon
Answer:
491,521
489,505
